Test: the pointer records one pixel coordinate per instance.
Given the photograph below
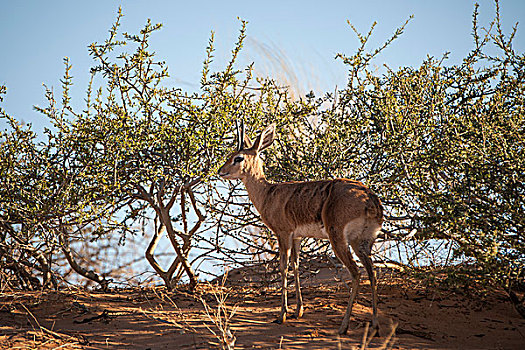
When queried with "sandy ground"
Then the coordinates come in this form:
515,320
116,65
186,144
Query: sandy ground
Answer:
412,316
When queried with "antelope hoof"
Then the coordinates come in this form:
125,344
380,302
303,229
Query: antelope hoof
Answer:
299,312
281,319
375,328
343,329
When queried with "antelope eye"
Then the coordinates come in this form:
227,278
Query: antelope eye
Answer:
238,159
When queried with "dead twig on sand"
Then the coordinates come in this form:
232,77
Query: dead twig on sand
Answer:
104,316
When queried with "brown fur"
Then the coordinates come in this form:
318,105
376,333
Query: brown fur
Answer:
344,211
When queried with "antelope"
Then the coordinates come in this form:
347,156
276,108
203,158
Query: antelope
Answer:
343,211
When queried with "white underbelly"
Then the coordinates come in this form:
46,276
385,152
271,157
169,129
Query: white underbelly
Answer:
314,230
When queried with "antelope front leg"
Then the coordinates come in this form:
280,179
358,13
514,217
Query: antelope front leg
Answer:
296,249
284,256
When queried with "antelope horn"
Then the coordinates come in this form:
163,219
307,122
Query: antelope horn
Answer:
237,134
240,135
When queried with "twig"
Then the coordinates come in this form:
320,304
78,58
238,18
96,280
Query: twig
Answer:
104,315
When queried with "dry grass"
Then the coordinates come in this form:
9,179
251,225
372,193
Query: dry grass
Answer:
221,315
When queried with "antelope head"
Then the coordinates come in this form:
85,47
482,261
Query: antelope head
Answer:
245,160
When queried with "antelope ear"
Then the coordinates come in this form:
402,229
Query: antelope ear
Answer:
265,139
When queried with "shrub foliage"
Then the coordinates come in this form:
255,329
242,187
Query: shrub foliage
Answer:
443,145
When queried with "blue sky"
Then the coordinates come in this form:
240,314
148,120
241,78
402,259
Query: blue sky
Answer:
36,35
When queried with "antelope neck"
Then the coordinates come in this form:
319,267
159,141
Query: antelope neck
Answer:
256,187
